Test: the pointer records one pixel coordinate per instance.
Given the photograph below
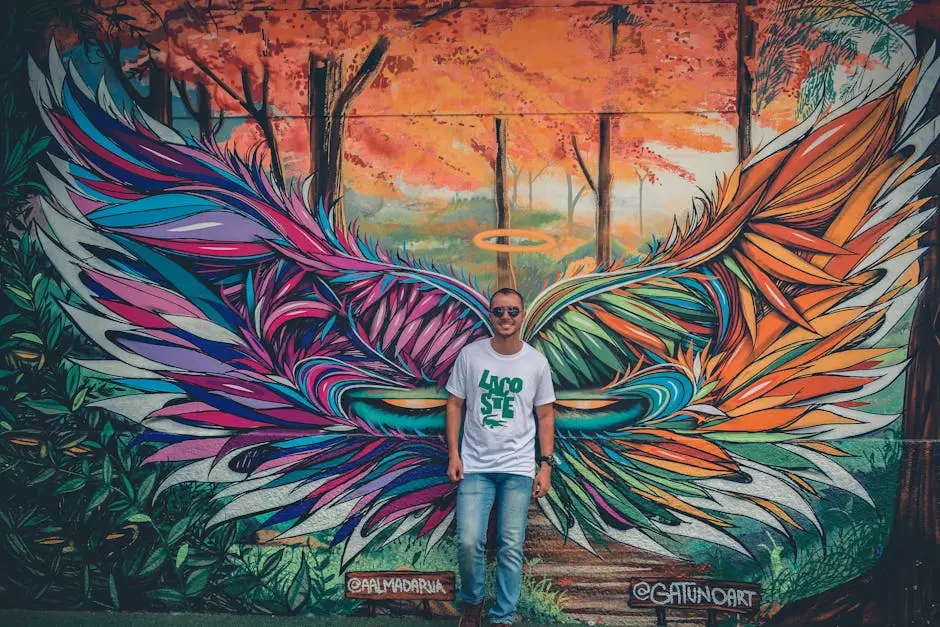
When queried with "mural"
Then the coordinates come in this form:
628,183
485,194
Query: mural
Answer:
242,247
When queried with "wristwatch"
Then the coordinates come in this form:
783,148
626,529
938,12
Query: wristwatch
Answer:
548,459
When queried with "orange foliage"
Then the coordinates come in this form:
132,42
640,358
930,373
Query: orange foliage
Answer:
427,117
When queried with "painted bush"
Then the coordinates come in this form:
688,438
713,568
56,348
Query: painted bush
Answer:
221,391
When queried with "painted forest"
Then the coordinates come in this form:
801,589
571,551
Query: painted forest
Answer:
242,244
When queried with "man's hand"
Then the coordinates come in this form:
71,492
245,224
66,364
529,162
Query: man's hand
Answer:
543,481
455,469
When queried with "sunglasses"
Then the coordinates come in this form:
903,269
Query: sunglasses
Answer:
499,311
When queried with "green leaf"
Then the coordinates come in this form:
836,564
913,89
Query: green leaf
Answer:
41,477
154,561
145,487
71,485
106,432
299,590
112,588
177,530
53,331
79,399
23,295
181,554
241,585
166,595
48,407
19,395
196,581
140,518
270,564
72,380
99,497
8,318
35,281
106,471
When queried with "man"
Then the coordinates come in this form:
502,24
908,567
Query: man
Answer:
503,382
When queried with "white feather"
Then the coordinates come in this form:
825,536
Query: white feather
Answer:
115,368
258,501
438,534
136,407
926,83
766,483
892,238
897,198
204,329
79,81
897,309
884,377
865,423
737,506
60,192
323,519
97,328
692,528
196,471
832,473
164,132
107,104
168,425
406,525
636,538
893,269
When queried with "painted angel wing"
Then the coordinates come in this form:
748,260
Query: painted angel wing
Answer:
269,351
715,379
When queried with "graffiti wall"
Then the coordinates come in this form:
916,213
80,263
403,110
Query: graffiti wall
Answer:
243,244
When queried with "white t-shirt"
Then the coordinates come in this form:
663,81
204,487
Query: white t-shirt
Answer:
501,393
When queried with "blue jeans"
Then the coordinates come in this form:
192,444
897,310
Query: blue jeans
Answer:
476,494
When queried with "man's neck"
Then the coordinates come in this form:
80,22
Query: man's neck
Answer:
506,345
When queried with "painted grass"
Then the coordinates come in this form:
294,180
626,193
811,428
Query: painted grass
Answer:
538,603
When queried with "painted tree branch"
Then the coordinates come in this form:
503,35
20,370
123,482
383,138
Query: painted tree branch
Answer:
259,113
333,190
112,55
201,111
584,168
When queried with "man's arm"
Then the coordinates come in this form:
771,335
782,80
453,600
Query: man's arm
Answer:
454,418
543,478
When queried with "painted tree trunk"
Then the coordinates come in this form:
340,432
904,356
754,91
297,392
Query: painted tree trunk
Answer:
325,79
329,101
604,181
745,82
906,577
158,101
901,589
504,272
203,113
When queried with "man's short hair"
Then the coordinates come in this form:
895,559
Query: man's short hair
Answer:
507,290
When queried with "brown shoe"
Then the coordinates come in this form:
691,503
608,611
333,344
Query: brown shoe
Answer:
471,615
